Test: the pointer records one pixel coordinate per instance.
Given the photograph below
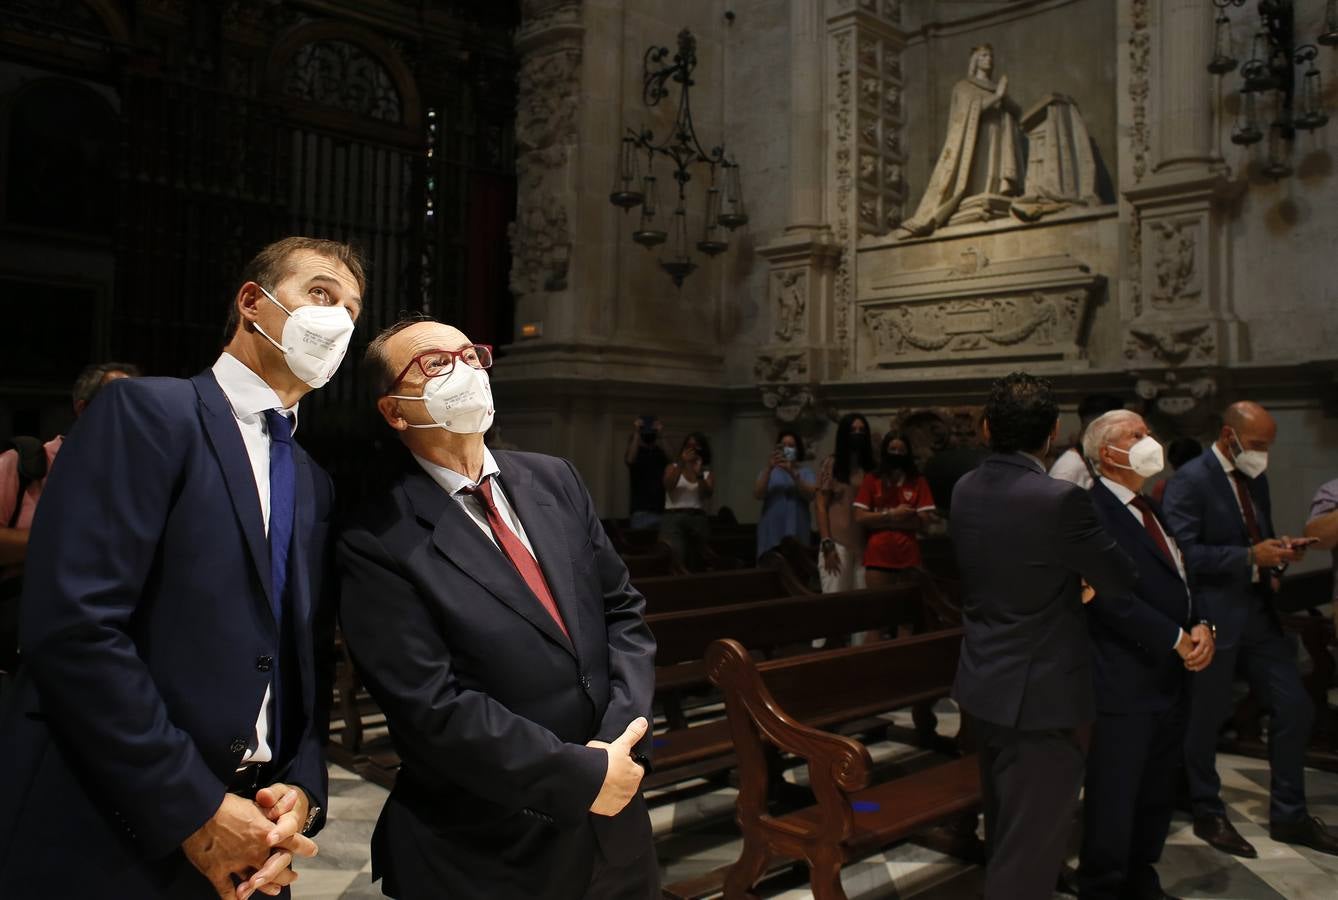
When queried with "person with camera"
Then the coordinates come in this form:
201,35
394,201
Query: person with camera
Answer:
646,461
785,487
688,485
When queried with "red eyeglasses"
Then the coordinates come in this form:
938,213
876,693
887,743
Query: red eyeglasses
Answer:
435,363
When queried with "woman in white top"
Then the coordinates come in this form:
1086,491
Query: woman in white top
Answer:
688,484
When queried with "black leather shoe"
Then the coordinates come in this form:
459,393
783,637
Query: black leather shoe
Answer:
1218,832
1308,832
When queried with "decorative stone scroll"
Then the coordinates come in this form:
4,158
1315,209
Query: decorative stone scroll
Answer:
981,310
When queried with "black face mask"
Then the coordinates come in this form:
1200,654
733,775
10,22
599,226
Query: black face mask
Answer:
897,461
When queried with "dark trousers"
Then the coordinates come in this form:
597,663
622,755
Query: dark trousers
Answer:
638,880
1128,799
1029,782
1267,658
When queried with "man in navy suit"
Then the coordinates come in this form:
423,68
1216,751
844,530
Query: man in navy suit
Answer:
166,737
1024,543
1141,653
494,624
1218,508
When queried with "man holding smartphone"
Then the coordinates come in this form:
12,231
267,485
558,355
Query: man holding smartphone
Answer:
1218,508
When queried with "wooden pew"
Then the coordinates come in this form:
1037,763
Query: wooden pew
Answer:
655,562
781,707
704,589
705,749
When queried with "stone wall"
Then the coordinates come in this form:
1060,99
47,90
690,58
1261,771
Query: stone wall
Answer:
1197,283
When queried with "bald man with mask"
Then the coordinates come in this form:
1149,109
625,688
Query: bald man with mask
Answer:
1219,509
496,627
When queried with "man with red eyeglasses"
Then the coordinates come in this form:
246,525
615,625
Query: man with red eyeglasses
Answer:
495,626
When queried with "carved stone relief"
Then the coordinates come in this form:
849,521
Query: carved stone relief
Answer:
790,289
1031,324
1140,47
1176,270
781,367
1171,344
547,101
540,245
342,75
788,402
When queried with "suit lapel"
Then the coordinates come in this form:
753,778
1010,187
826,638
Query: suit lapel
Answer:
1227,497
462,542
537,511
1119,514
220,426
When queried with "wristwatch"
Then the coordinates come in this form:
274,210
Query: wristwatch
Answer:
311,819
827,545
1211,626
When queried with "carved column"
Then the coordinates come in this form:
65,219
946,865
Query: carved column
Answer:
1185,87
1179,327
549,41
865,158
806,162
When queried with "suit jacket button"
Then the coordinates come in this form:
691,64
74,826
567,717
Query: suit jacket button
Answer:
264,663
238,746
585,681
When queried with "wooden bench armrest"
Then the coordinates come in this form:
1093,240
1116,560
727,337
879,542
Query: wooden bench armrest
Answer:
837,765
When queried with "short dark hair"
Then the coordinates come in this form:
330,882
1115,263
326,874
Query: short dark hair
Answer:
376,362
798,441
1021,412
270,266
1093,406
91,377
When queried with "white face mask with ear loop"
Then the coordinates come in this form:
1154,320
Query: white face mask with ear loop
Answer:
1252,463
1146,457
459,401
315,339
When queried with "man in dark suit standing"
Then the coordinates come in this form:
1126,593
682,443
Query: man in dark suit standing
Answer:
1218,507
1141,654
166,737
1024,543
494,624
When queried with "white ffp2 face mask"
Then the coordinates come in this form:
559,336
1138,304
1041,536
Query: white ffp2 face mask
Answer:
315,339
459,401
1251,462
1145,457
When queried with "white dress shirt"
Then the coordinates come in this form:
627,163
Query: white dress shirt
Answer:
458,486
1126,496
1228,466
249,396
1072,467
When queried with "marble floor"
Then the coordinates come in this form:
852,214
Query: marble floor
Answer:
695,833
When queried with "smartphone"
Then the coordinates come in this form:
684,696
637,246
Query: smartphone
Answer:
1301,543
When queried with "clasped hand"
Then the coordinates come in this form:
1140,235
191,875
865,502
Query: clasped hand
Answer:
1196,648
253,842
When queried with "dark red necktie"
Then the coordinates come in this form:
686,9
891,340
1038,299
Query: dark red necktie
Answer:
515,550
1247,507
1153,526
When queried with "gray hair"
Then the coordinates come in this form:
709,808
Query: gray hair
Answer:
92,377
1105,429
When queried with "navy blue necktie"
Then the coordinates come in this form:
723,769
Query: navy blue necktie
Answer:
282,500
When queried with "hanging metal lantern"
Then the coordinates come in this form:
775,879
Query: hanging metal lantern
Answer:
1312,114
1222,61
1246,131
649,233
732,212
1328,35
625,193
679,265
